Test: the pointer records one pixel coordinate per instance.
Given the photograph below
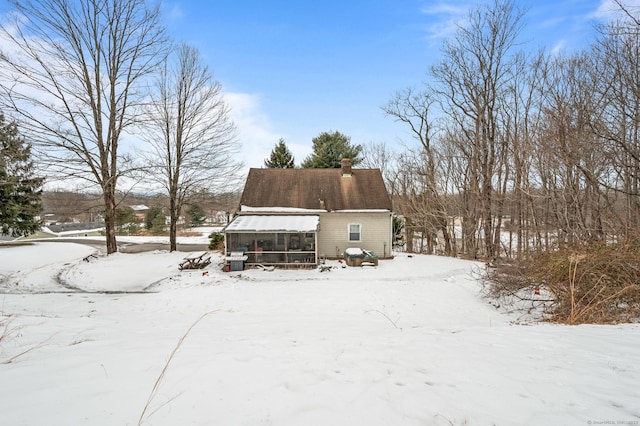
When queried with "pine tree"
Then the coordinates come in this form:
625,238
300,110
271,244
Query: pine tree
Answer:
329,149
280,158
154,217
20,191
196,215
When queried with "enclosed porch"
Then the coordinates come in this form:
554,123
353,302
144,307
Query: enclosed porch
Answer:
279,240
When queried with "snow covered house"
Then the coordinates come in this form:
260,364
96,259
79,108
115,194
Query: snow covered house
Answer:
292,217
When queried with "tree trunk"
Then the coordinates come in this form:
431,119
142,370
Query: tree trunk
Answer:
110,219
409,239
173,223
448,250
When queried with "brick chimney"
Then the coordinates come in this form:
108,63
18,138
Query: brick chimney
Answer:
345,166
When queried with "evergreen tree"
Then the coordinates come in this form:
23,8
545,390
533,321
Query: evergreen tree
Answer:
124,215
126,218
159,225
329,149
196,215
154,218
280,158
20,191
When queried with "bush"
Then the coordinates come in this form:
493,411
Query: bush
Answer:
593,283
216,241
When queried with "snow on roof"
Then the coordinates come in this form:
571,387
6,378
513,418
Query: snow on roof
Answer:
364,211
282,223
249,209
244,208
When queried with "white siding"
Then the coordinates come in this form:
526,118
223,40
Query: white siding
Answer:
333,237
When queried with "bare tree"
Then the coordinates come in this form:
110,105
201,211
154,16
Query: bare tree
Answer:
71,74
472,82
191,136
618,122
574,160
380,156
413,108
423,202
528,85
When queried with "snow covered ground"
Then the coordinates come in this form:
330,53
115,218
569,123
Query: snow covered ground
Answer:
409,342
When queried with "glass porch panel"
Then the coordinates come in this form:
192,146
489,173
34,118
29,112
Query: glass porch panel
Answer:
275,248
250,242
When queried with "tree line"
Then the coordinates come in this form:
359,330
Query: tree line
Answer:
543,148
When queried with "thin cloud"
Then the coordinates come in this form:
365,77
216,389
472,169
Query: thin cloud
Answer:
608,10
176,12
173,11
445,9
445,18
551,23
255,132
558,48
443,29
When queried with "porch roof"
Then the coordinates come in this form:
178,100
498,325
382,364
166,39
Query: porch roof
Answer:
277,223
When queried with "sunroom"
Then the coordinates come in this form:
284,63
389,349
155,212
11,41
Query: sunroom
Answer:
279,240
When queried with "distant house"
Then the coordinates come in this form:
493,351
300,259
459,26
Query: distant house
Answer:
140,211
296,216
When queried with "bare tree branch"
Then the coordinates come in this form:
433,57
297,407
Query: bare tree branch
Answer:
192,140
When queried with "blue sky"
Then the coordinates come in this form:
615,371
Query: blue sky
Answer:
293,69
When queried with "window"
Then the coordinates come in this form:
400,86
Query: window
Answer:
355,229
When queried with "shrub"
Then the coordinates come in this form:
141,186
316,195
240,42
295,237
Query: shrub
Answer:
593,283
216,241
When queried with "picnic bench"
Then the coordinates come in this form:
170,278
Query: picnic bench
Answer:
196,261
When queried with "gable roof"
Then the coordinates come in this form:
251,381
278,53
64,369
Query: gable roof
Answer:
324,189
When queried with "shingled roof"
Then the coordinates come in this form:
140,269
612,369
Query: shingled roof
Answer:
325,189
